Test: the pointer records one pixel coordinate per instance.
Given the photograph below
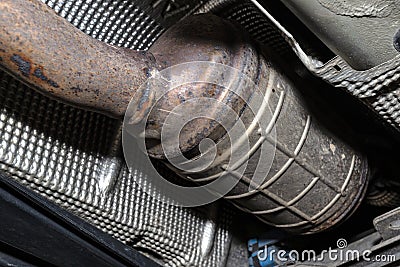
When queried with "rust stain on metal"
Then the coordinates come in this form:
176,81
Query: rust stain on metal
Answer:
38,73
24,66
27,69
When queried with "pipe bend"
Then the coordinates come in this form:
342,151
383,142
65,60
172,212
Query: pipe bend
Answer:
48,53
45,51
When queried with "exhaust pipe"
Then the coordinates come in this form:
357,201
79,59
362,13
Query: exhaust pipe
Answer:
316,180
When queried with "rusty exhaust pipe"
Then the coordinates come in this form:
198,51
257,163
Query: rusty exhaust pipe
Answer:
310,189
47,52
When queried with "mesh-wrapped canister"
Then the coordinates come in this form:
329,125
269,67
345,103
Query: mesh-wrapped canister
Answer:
315,180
